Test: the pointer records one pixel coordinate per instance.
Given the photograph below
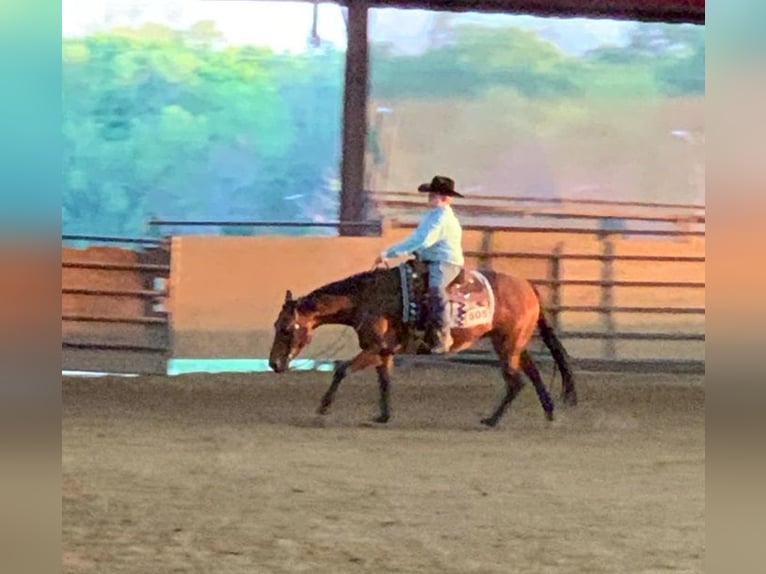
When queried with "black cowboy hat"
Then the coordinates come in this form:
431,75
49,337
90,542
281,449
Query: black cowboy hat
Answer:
441,185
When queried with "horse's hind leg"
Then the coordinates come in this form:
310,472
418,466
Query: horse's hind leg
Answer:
510,360
513,384
530,369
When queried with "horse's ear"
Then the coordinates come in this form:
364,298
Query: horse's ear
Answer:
288,296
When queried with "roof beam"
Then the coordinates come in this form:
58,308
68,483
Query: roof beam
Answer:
678,11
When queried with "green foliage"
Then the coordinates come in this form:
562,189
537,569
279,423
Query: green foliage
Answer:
478,59
658,60
163,123
175,124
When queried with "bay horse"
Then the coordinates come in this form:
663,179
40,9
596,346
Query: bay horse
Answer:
373,303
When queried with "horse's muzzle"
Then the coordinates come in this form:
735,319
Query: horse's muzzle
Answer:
278,366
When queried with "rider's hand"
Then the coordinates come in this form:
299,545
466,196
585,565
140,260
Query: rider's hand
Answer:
380,260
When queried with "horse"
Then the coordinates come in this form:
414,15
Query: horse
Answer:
375,304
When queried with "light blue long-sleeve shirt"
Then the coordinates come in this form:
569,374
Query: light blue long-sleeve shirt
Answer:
437,237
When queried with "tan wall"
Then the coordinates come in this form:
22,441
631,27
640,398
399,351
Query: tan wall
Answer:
227,291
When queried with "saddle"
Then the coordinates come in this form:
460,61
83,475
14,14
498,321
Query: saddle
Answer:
469,296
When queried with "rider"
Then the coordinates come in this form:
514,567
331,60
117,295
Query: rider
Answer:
437,242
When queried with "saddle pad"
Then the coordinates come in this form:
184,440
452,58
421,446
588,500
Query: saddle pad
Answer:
471,302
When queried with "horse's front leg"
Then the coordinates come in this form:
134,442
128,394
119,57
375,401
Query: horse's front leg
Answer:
384,381
361,361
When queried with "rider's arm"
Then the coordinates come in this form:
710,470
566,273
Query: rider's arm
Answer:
426,234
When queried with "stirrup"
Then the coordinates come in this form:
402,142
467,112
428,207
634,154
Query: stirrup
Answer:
443,345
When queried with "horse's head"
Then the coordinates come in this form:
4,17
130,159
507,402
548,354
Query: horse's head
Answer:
292,332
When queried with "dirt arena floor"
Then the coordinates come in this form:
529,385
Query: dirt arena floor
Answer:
235,473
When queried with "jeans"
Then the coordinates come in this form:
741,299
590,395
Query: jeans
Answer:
441,274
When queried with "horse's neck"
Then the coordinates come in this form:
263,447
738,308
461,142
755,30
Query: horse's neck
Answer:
338,303
331,309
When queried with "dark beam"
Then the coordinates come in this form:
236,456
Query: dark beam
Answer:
352,193
691,11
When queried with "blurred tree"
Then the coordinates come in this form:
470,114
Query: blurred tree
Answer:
180,124
175,124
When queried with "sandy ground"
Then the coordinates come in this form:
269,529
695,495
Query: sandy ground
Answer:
224,474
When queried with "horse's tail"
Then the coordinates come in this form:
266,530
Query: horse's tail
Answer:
560,355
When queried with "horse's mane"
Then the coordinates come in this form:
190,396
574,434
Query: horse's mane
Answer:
352,285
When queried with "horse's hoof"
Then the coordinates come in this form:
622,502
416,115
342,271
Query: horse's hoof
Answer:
570,399
323,410
318,422
488,422
382,419
549,416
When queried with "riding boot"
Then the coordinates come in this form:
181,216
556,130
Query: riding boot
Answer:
441,336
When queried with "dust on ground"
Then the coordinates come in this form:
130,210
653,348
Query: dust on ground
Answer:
235,473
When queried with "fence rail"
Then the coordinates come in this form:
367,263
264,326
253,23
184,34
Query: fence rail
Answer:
114,319
617,309
511,199
138,293
588,215
614,283
126,334
564,230
496,211
113,347
112,239
634,336
374,226
108,266
587,257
